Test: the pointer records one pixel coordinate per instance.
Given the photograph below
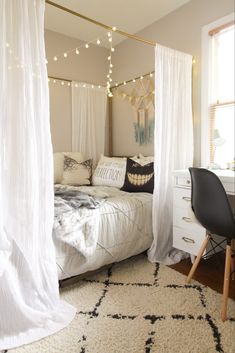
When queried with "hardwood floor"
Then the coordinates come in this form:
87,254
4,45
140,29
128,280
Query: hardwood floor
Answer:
209,272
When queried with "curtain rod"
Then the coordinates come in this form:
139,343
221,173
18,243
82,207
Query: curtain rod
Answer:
220,28
109,28
59,78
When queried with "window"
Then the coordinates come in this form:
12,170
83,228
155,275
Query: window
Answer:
218,103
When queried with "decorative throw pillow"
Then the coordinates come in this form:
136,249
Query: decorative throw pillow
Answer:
110,171
59,163
76,173
139,178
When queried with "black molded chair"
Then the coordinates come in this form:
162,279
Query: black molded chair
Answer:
212,209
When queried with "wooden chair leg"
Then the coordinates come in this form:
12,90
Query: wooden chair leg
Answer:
226,283
233,259
198,258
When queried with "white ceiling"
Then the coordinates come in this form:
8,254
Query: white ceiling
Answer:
128,15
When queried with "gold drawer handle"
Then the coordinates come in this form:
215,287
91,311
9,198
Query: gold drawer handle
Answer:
185,198
187,219
188,240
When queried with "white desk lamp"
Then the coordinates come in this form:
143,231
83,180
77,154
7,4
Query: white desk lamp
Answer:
217,141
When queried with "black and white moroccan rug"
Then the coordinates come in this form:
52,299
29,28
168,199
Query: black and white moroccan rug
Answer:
139,307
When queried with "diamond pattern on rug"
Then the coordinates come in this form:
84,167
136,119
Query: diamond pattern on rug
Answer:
139,307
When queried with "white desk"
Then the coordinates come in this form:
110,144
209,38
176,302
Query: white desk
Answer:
188,234
227,177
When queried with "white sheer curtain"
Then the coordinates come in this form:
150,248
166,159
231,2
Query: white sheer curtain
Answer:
89,104
173,143
30,307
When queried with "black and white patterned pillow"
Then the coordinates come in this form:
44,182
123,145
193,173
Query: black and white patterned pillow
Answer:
76,173
138,178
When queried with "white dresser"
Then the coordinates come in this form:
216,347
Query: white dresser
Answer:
188,234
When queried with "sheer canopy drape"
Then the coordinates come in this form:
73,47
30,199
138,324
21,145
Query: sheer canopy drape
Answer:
173,142
30,307
89,104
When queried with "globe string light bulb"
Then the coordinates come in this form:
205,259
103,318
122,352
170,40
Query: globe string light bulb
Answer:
77,51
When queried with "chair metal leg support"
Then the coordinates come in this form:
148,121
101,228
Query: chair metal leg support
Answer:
198,258
226,282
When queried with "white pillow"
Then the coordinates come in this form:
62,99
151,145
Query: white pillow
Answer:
110,171
59,163
58,167
142,160
76,172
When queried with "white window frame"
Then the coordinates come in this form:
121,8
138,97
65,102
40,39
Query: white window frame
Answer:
205,86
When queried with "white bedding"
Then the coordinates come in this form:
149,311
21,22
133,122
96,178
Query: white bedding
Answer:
124,230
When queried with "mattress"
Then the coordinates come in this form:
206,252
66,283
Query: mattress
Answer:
124,230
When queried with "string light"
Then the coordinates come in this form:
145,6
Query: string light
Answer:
135,79
62,83
87,45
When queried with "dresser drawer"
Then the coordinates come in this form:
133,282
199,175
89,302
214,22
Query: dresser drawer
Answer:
187,241
182,198
183,181
184,218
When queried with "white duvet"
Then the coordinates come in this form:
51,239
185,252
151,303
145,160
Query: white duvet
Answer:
123,228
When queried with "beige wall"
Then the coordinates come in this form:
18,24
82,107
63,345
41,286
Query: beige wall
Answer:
180,30
88,66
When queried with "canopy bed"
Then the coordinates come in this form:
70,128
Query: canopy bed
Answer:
31,308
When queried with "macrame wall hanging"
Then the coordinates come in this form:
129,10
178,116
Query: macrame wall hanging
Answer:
141,99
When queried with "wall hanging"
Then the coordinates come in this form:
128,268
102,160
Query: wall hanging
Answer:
141,99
